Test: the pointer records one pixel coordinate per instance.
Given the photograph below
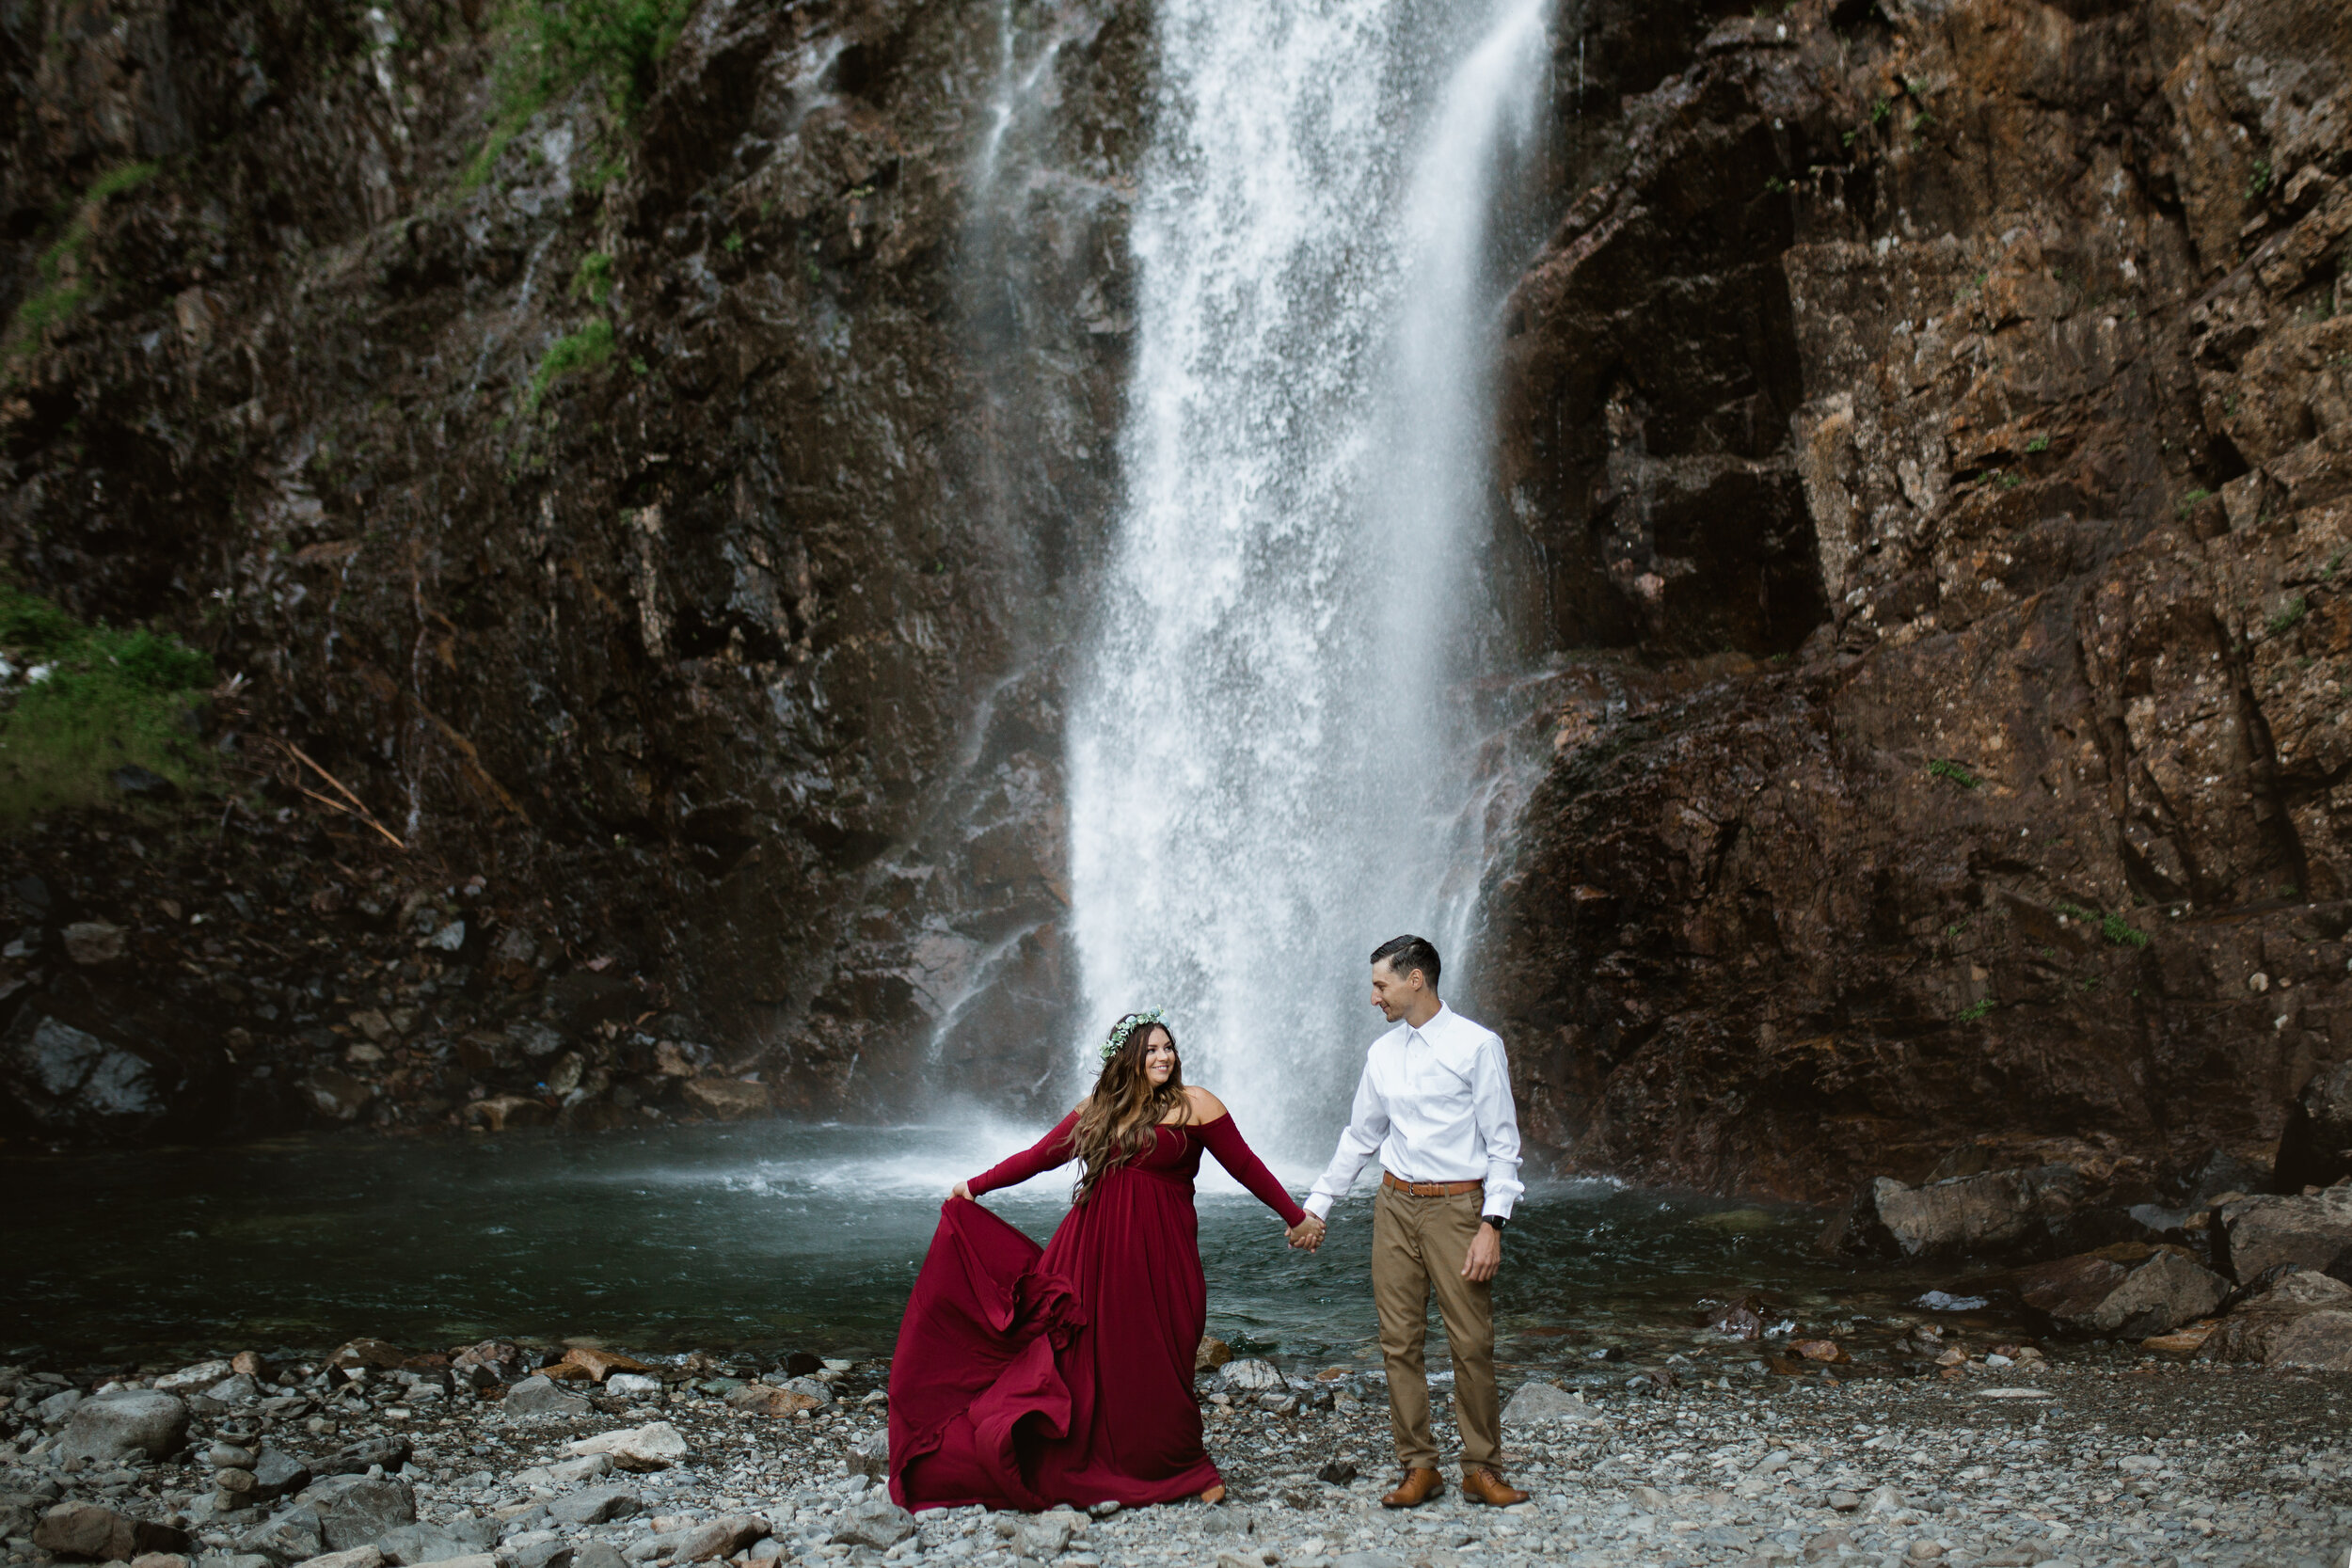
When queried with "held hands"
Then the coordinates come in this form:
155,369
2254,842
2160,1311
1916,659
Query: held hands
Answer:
1307,1235
962,1190
1485,1255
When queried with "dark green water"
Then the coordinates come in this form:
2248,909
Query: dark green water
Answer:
766,1235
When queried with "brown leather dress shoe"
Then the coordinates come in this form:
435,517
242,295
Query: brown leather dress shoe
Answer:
1417,1488
1481,1485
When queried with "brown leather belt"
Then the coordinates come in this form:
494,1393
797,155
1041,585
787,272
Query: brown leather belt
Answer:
1431,1189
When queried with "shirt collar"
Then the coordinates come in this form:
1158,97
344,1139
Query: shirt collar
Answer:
1442,1013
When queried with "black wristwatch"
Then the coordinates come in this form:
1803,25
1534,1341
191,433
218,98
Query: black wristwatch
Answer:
1495,1220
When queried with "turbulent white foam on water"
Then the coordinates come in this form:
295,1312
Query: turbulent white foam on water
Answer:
1264,779
859,1163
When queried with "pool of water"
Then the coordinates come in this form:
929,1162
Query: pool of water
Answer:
768,1236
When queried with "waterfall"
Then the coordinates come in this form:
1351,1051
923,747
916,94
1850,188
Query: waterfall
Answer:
1264,776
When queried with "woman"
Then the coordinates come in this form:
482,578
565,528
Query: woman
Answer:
1025,1379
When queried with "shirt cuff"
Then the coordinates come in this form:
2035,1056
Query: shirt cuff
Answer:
1497,1204
1319,1205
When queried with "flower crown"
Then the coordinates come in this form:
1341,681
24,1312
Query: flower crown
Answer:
1128,1026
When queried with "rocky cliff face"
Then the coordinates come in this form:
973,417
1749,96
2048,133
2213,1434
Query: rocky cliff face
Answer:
1938,420
1924,473
665,522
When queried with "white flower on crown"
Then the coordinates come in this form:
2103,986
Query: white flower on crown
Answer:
1128,1026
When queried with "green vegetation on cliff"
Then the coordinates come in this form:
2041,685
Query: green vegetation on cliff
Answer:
553,46
94,699
61,287
583,350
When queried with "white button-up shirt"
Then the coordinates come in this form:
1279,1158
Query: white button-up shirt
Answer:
1435,1103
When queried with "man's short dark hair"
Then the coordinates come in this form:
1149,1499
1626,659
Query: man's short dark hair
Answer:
1404,955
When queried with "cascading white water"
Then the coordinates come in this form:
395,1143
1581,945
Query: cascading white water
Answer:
1263,774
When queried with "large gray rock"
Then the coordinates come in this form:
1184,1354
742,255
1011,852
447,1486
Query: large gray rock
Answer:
359,1556
1044,1538
193,1380
544,1550
2254,1330
536,1398
2218,1175
598,1554
723,1538
869,1457
126,1423
654,1446
70,1080
2315,1143
2320,1340
407,1545
354,1510
875,1521
2029,1211
1251,1375
1538,1401
358,1458
88,1530
278,1475
294,1536
2257,1233
598,1505
2131,1291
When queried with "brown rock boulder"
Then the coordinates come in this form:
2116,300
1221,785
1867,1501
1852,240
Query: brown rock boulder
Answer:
758,1399
102,1535
2315,1143
336,1096
2257,1233
2319,1340
728,1099
489,1361
2255,1331
720,1538
2028,1212
93,942
500,1112
2127,1290
602,1364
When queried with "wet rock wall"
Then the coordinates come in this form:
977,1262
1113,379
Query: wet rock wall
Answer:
730,664
1928,452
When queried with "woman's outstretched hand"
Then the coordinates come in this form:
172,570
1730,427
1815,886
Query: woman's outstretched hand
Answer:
1306,1234
962,1190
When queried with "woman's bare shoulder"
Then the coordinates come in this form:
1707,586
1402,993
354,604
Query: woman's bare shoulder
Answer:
1205,1106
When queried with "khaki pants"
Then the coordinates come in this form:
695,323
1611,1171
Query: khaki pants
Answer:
1418,1246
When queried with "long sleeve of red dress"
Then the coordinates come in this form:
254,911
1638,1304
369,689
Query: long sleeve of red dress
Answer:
1039,1157
1224,1140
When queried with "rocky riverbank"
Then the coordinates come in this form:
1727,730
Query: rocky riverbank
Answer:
373,1457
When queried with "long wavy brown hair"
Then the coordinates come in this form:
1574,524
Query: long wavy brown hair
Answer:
1114,1125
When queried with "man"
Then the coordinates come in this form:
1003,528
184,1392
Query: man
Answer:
1435,1103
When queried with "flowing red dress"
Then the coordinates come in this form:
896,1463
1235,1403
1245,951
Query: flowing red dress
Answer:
1027,1377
